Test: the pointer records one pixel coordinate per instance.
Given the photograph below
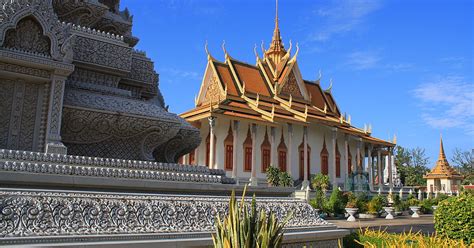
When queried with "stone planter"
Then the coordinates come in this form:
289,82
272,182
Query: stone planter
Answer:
415,210
390,212
351,212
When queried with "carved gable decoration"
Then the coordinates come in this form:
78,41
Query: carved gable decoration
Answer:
20,15
291,87
28,36
210,89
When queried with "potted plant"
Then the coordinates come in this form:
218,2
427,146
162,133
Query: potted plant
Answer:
351,208
413,204
389,211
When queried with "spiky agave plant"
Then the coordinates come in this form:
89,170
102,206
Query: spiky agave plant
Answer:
245,228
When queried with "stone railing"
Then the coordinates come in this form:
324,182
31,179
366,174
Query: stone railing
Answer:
75,215
50,163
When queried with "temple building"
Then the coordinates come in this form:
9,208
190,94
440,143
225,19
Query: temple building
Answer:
255,116
443,178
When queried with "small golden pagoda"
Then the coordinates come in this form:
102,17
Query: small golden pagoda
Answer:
443,177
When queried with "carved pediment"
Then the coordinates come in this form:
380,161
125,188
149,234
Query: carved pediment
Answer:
291,87
31,16
28,36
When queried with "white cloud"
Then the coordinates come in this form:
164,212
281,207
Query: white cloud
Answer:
447,102
340,17
363,60
173,75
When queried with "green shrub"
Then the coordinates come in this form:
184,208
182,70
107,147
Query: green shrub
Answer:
276,178
285,179
351,200
361,201
273,177
454,218
336,202
320,181
376,204
244,227
320,201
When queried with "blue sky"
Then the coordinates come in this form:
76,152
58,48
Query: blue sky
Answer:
404,66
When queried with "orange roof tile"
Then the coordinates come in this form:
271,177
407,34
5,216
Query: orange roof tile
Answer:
252,77
224,73
317,97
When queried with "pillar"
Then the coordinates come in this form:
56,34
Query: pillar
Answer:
333,157
346,156
55,110
305,184
379,168
290,148
390,175
370,168
358,159
235,134
253,179
212,125
273,151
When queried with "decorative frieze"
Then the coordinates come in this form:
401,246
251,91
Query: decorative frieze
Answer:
25,70
42,214
98,52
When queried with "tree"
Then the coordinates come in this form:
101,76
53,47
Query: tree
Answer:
412,165
463,161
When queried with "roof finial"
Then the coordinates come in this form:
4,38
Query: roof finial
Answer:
442,156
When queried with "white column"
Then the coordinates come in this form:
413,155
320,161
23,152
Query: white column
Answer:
273,151
212,124
235,134
370,168
333,157
379,168
390,175
253,179
290,149
305,159
358,159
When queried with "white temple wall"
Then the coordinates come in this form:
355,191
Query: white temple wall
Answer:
316,135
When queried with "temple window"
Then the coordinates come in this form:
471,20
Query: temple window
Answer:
338,162
192,157
248,152
266,148
324,159
282,150
349,160
229,149
301,161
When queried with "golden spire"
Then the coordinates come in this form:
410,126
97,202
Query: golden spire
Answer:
276,50
442,156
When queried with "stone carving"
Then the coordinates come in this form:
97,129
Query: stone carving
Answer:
11,14
24,70
98,52
28,36
83,13
36,214
6,94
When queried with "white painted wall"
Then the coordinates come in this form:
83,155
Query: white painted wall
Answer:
316,134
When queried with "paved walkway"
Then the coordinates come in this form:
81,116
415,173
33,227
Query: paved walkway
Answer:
425,224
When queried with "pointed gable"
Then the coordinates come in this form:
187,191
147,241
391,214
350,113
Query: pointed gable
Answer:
211,87
291,87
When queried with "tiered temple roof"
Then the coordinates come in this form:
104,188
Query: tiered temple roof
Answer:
270,92
442,168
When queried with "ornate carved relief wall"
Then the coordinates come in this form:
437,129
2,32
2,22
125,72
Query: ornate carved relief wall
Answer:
28,36
22,115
